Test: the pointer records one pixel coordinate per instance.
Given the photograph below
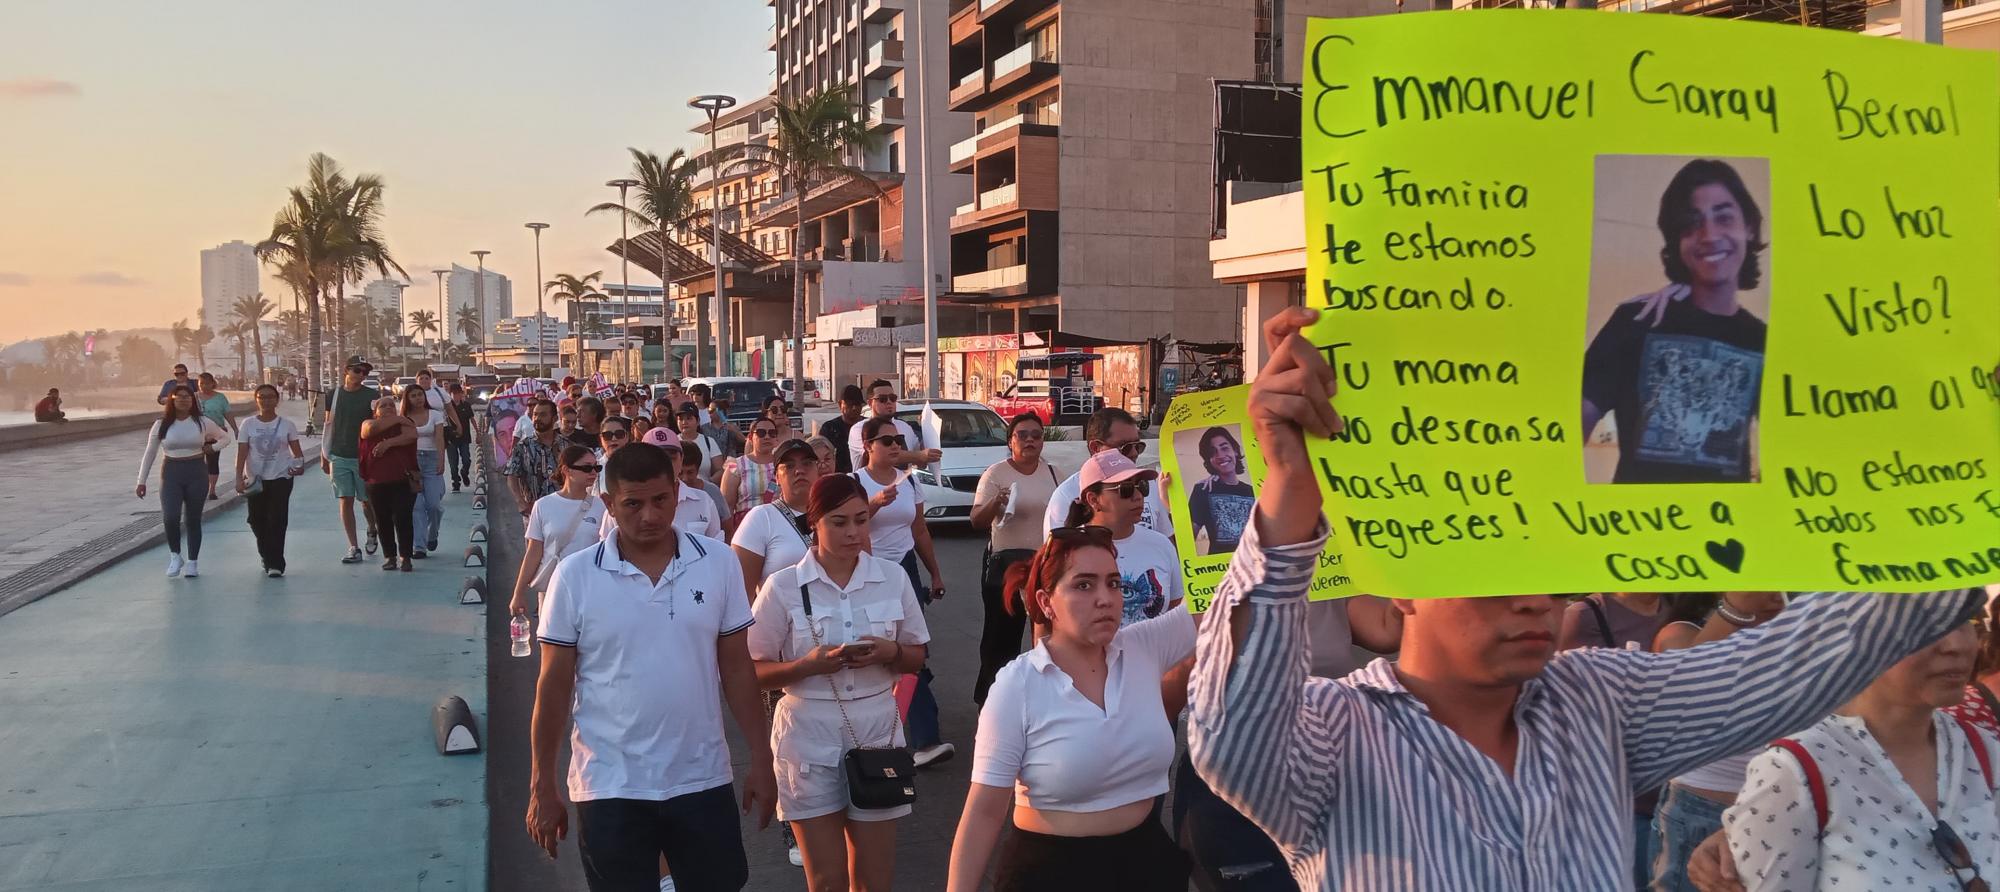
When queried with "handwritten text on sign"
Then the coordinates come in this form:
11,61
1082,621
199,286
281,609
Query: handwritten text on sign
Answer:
1708,305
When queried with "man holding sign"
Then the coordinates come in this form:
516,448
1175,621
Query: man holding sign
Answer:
1481,760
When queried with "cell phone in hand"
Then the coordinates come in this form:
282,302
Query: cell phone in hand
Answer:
857,649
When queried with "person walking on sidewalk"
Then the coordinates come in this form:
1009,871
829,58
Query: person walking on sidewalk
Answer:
458,437
264,473
185,438
389,467
340,453
560,524
642,644
899,535
1009,500
431,427
215,407
531,470
180,379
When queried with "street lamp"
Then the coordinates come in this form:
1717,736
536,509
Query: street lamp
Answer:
541,336
479,301
713,104
625,265
444,321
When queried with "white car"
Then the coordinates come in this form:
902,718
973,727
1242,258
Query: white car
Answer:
974,438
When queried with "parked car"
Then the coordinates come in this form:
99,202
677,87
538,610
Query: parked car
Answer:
480,385
404,382
746,398
974,438
812,391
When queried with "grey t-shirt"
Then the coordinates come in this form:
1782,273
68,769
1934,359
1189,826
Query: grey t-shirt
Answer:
1581,629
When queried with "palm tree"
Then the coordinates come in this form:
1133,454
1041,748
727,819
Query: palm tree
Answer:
252,310
423,322
183,338
202,337
240,333
358,241
468,324
815,135
570,288
663,199
300,246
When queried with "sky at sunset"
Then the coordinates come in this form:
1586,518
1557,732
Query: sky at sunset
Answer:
135,133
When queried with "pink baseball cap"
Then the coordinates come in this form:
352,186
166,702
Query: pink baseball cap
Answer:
1111,466
660,436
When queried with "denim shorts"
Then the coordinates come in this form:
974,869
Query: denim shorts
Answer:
1680,824
346,476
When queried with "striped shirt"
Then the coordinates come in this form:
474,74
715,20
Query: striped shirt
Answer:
1362,790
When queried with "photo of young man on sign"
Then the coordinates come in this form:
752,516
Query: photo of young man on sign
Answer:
1678,369
1219,497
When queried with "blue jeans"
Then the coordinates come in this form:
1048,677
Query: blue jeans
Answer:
923,722
430,503
1682,821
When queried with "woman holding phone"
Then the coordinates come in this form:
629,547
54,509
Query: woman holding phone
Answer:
560,524
834,631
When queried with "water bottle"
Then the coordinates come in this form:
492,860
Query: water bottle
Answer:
518,629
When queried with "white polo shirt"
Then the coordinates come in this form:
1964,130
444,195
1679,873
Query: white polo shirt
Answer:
647,722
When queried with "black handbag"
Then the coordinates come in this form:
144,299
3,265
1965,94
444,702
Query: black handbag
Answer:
877,776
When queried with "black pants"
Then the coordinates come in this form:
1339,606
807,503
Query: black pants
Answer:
394,507
1141,859
183,491
622,840
457,452
1000,637
1228,851
270,513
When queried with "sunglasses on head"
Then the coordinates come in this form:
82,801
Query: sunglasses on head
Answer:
587,469
1128,489
1091,534
894,439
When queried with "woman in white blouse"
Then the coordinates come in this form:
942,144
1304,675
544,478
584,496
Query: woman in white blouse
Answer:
428,513
185,437
834,631
560,524
1907,802
1075,736
775,535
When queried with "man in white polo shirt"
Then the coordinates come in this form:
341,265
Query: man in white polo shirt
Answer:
643,633
882,402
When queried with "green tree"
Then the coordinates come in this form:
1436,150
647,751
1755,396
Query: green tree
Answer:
62,356
254,309
240,332
423,322
183,338
141,360
567,287
663,200
814,136
328,232
200,339
468,324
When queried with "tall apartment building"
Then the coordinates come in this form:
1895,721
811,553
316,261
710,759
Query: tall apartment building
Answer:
385,296
1091,156
459,293
228,271
863,243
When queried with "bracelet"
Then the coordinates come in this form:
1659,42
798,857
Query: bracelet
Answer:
1733,618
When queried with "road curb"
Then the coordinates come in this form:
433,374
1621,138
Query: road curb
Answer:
106,554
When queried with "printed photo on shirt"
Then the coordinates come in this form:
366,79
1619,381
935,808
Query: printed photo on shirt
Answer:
1679,298
1217,485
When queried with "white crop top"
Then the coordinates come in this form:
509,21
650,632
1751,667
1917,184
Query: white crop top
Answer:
427,432
182,439
1059,751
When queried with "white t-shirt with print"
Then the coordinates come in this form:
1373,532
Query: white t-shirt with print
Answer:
552,515
1151,572
270,449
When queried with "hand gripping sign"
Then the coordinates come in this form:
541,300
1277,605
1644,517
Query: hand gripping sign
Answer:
1708,305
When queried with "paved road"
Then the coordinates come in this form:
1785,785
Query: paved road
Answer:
923,839
234,732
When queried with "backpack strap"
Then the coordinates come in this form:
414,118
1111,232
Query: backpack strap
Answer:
1979,752
1815,784
1603,623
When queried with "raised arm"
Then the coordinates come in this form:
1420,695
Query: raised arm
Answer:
1686,708
1259,734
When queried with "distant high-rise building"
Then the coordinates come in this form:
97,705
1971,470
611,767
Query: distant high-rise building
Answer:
385,296
228,272
459,293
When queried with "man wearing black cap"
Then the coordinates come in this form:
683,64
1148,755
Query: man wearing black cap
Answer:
346,408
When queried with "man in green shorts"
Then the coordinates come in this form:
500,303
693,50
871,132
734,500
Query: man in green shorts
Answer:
346,407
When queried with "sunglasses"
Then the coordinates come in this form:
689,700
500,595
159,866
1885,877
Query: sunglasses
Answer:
1130,489
1022,433
896,439
587,469
1957,857
1130,450
763,432
885,398
1091,534
615,435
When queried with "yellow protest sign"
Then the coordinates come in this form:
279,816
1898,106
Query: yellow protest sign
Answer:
1653,303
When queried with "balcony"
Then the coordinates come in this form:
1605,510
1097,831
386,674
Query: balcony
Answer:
886,112
771,41
963,150
879,11
967,89
884,58
998,135
1000,196
992,279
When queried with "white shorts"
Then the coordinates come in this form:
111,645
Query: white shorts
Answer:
807,786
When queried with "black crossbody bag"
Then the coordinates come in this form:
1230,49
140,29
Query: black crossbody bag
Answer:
877,776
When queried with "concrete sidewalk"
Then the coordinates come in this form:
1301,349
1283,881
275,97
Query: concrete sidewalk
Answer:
234,732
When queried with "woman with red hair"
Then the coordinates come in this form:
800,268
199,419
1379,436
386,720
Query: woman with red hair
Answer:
834,631
1075,734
